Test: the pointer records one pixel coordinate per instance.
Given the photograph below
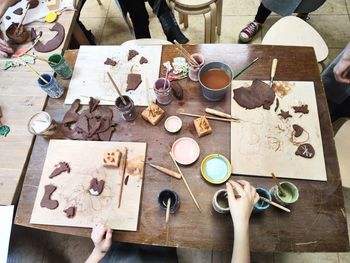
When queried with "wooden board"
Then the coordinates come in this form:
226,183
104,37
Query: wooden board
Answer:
90,74
266,138
85,159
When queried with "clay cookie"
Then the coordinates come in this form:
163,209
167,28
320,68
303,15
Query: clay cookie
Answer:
96,186
62,167
177,90
143,60
46,201
70,211
132,53
134,80
305,150
285,114
301,109
112,158
110,62
298,130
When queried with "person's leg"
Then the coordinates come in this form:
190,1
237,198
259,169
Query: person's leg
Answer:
247,33
168,21
139,17
86,32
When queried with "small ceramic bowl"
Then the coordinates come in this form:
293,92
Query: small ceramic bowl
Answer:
291,196
163,199
220,202
185,150
173,124
216,169
262,205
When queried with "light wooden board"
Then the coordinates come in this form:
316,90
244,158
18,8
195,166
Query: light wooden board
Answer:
90,74
85,159
261,142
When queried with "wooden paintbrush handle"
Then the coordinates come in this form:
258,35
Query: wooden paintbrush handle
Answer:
275,204
218,113
273,67
167,211
166,171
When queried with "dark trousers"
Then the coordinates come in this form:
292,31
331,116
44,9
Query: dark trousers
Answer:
262,14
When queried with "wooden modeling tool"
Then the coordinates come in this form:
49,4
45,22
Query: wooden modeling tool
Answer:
244,68
24,15
33,70
166,171
184,179
186,54
275,204
116,88
278,184
122,168
208,117
167,214
220,114
273,70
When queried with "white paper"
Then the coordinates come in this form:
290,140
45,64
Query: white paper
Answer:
6,215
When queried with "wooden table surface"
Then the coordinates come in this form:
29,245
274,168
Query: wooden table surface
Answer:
317,221
20,98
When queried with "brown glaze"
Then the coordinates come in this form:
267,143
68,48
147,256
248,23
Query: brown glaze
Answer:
19,36
215,79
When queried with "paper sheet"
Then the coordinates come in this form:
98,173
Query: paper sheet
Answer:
6,215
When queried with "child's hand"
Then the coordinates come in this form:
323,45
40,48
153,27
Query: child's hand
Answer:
241,198
5,50
101,235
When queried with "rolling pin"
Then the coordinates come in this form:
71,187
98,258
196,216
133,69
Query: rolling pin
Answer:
219,113
166,171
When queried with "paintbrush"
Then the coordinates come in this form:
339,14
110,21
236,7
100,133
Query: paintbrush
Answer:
167,214
186,54
280,190
273,70
116,88
122,169
40,58
33,70
275,204
245,68
208,117
24,15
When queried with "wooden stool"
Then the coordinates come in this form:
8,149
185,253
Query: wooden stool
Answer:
293,31
342,144
211,9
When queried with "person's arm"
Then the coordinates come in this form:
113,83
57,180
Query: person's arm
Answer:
5,49
242,198
101,235
342,69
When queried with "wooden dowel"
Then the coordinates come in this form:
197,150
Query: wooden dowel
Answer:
273,70
208,117
24,15
278,184
122,168
116,88
34,71
98,98
275,204
166,171
40,58
186,54
167,211
184,179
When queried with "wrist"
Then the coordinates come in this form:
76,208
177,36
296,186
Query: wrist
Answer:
98,253
241,226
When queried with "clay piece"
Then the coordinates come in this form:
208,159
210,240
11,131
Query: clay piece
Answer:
134,80
1,35
19,36
132,53
298,130
33,3
46,200
285,114
257,95
301,109
18,11
61,167
70,211
277,105
305,150
93,124
96,186
8,17
202,126
110,62
143,60
53,43
177,90
153,114
112,158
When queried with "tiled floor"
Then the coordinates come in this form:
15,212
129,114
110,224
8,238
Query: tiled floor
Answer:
332,21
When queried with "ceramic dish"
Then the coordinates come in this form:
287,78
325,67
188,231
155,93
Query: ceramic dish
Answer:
216,169
173,124
185,150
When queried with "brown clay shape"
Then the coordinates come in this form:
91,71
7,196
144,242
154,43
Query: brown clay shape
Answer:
96,186
46,201
298,130
132,53
62,167
134,80
70,211
305,150
301,109
285,114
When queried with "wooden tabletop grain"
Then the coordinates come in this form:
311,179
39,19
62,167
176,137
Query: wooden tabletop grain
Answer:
317,221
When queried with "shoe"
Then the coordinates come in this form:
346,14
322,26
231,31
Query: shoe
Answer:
171,28
247,33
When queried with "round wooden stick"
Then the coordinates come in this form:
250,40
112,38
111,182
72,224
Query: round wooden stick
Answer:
24,15
278,184
273,70
116,87
275,204
167,211
208,117
34,71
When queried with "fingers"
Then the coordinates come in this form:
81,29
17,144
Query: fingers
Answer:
109,234
256,197
5,49
230,193
239,189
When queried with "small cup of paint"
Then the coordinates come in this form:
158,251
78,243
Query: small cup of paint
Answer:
163,91
194,70
60,66
289,196
261,205
42,124
127,112
163,200
220,202
173,124
52,87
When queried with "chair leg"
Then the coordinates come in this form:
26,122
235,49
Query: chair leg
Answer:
181,18
213,23
219,16
207,18
185,21
99,2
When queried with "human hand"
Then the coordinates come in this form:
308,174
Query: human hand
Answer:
241,204
101,235
5,50
5,4
342,69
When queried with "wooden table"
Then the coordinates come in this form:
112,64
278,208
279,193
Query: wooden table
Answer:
317,222
20,98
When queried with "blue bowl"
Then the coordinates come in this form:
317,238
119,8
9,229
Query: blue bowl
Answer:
261,205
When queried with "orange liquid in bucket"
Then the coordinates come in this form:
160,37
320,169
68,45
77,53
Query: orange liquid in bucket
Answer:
215,79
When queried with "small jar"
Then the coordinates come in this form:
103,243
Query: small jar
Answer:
42,124
220,202
163,197
163,91
127,112
194,70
